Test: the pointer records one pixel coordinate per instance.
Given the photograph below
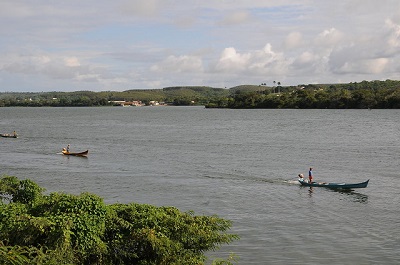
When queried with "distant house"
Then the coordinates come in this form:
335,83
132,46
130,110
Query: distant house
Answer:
156,103
136,103
124,103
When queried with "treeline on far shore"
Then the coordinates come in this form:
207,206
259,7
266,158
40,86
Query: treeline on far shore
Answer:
177,96
372,95
354,95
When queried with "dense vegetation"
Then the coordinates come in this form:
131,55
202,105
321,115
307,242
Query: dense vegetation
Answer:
170,95
365,94
80,229
375,94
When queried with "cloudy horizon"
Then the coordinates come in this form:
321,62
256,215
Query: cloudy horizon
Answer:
150,44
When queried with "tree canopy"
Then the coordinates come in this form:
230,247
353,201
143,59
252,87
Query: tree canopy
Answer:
171,95
80,229
374,94
365,94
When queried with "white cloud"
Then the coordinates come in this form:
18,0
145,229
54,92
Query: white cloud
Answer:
72,62
101,43
53,67
184,21
368,66
11,9
231,60
293,40
258,62
393,38
142,8
329,38
235,18
306,59
179,64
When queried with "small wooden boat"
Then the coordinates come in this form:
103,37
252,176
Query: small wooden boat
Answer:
335,185
9,135
85,153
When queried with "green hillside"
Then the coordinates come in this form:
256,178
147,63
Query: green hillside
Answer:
365,94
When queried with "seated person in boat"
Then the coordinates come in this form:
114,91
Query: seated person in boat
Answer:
301,178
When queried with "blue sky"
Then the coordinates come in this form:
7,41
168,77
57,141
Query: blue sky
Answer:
150,44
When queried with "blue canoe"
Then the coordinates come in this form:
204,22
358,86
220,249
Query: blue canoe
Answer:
335,185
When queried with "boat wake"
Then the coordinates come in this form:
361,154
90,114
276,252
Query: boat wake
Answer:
291,181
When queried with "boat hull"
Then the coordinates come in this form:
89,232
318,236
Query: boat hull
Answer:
336,185
85,153
6,135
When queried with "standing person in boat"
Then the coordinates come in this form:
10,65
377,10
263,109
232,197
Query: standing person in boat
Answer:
15,134
310,175
68,146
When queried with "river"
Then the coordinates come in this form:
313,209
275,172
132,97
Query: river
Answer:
238,164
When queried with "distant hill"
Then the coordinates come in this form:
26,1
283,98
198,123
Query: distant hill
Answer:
384,92
194,88
248,88
180,95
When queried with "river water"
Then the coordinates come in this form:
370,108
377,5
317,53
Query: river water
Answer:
238,164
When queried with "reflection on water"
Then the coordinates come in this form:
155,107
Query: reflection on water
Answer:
75,157
310,191
353,196
350,195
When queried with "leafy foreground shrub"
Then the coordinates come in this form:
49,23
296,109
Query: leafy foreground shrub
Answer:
69,229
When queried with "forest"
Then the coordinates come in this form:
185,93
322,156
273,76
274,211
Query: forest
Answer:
363,95
354,95
60,228
171,95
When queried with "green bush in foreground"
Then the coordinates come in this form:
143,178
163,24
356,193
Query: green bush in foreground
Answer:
80,229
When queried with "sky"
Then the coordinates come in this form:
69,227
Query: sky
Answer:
102,45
